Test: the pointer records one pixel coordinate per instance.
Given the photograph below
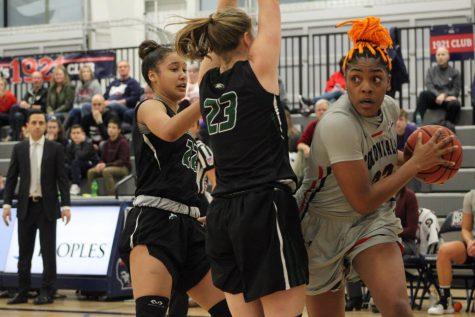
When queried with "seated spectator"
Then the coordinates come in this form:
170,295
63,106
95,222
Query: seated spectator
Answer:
7,100
86,88
80,157
443,84
115,158
55,131
123,93
457,252
404,129
60,94
34,98
95,123
303,144
292,132
336,86
407,210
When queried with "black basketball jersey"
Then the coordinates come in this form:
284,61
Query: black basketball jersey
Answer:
165,169
247,129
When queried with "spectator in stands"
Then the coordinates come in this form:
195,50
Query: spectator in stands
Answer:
7,100
457,252
404,129
55,131
399,75
86,88
407,210
336,86
123,93
115,158
34,98
443,84
303,144
60,96
80,157
292,132
95,123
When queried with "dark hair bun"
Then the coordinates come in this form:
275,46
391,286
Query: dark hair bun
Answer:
147,47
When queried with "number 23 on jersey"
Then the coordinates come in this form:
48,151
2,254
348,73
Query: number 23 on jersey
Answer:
222,113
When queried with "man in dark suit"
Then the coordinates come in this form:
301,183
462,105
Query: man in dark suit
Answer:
40,165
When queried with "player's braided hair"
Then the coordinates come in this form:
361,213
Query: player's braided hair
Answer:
368,36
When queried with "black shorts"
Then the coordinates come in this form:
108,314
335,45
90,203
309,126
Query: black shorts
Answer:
254,243
177,240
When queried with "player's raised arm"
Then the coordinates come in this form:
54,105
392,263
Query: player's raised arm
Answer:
268,40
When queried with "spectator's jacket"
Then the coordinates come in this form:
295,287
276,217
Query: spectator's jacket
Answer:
402,139
307,134
97,132
128,89
443,81
84,152
7,101
60,101
36,97
335,78
399,74
407,210
86,90
116,153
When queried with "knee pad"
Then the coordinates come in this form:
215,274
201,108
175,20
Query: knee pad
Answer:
221,309
151,306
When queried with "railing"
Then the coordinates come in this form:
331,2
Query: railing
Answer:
307,61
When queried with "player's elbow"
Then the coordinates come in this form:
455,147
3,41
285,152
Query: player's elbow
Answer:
170,136
362,206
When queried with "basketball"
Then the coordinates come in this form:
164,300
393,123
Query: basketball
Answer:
457,306
438,174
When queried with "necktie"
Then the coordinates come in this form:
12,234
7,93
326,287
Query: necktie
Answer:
35,173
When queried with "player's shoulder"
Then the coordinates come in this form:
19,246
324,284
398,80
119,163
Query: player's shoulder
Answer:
391,107
340,112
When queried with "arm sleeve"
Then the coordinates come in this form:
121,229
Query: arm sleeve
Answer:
412,217
456,86
341,144
133,93
429,83
63,182
108,89
330,83
12,178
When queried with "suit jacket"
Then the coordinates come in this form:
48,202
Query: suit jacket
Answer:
53,177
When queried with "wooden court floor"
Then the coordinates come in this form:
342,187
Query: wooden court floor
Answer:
71,306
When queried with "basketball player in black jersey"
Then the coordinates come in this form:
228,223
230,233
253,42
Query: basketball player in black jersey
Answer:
162,241
254,240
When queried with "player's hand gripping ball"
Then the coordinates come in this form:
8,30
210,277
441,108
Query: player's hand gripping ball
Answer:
438,174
